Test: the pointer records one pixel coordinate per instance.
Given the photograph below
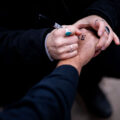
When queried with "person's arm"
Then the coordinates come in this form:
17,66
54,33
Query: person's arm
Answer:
52,98
23,46
107,9
102,16
34,45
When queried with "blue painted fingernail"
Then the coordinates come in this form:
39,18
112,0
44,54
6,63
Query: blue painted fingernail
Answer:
68,33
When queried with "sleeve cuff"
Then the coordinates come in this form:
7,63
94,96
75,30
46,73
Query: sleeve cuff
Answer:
46,50
70,71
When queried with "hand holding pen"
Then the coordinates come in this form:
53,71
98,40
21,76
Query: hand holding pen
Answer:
52,23
62,42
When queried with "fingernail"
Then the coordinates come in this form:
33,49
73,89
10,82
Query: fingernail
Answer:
68,33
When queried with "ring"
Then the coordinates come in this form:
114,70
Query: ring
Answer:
107,30
71,48
68,32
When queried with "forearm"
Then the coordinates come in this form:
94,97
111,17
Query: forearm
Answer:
51,99
22,46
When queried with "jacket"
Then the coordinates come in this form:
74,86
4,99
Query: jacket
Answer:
50,99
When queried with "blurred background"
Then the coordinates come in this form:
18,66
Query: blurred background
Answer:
111,87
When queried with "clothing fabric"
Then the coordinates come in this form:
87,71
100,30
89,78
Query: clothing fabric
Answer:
22,32
50,99
22,37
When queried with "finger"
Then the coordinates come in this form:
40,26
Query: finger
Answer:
67,41
69,55
97,53
82,24
116,39
68,31
64,26
68,48
110,38
100,26
78,32
74,30
61,32
102,41
64,31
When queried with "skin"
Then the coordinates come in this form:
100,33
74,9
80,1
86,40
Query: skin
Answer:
86,51
98,24
59,46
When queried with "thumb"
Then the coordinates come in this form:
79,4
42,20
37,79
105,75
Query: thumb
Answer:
82,24
78,32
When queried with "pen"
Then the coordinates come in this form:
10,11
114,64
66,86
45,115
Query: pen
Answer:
53,24
67,33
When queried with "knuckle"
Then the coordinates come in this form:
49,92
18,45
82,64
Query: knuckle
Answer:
74,53
100,46
84,30
75,38
76,46
60,51
55,33
58,43
69,26
62,56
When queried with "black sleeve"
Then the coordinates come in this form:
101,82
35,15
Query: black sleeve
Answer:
107,9
23,46
50,99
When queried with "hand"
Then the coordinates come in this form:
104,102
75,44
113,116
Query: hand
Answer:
87,47
99,24
86,50
60,46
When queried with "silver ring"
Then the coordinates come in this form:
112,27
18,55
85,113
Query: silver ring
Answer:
71,48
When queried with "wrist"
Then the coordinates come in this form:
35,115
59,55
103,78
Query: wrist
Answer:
75,62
